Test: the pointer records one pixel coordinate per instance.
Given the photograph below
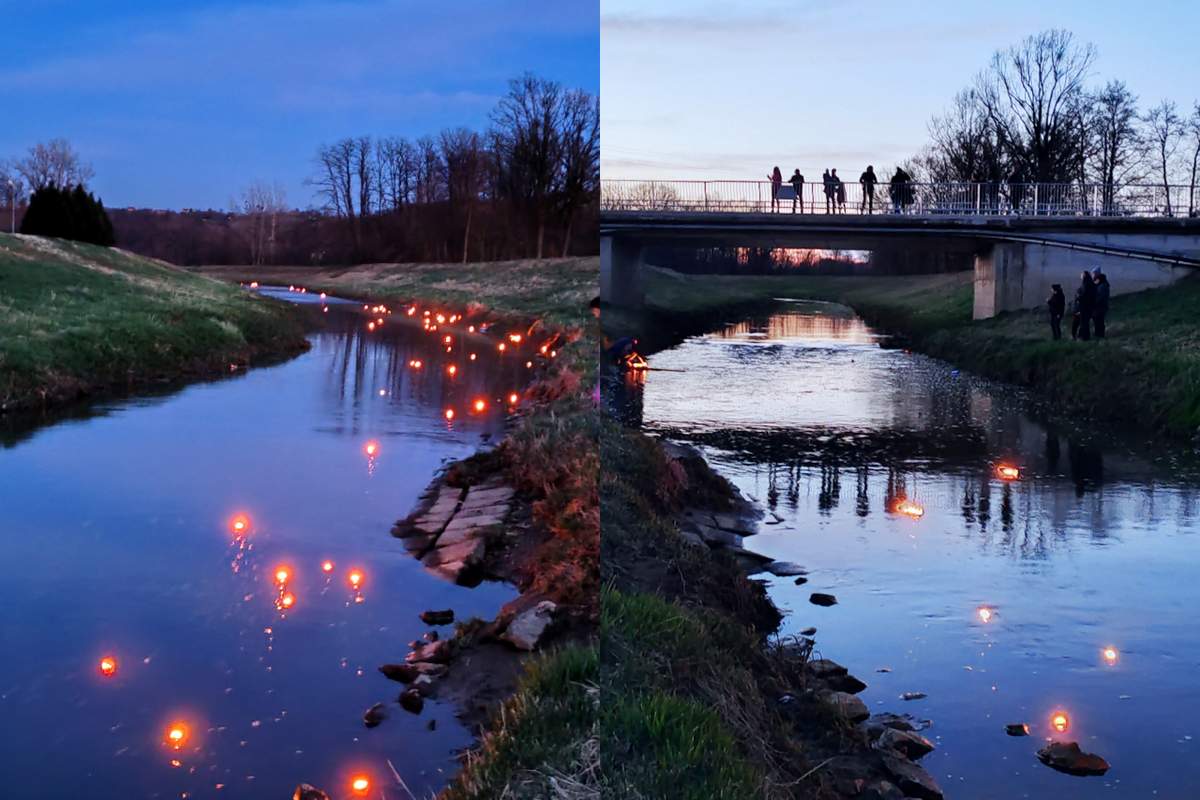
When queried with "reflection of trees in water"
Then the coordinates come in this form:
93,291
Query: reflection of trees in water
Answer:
842,327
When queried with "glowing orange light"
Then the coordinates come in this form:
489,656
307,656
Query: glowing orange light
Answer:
282,574
528,364
287,600
355,577
108,666
1008,472
253,284
501,347
554,354
544,348
370,326
322,295
360,785
440,318
470,329
514,398
417,364
1111,655
427,313
448,339
480,404
449,413
1060,721
515,338
379,321
985,614
371,448
472,356
910,509
327,566
177,735
239,524
412,310
452,369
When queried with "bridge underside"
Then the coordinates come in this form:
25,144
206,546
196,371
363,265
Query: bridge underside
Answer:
1016,261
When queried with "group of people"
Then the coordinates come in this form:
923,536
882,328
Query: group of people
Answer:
835,190
1088,311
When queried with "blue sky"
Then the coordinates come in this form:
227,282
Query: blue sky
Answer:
695,89
183,103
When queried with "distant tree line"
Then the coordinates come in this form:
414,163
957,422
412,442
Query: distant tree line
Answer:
1031,117
522,188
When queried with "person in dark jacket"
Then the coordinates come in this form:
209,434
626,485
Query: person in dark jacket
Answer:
776,179
868,181
1100,313
839,190
797,182
1085,305
1057,303
828,182
901,194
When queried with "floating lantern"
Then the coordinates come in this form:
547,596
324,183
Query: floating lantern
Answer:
322,295
412,310
515,338
440,318
470,329
287,600
326,566
383,392
452,369
1110,655
176,735
427,313
360,785
514,398
108,666
449,413
417,364
1060,721
554,354
544,348
379,321
371,448
528,365
479,405
370,326
985,614
472,356
910,509
239,524
282,574
501,347
448,339
1008,472
253,284
355,577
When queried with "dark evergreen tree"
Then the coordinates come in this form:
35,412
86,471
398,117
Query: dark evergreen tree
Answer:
63,214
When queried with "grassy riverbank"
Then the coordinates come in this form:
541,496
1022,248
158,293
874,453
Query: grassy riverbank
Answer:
554,289
78,320
1146,373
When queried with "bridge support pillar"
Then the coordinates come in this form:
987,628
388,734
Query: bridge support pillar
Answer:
1012,275
621,272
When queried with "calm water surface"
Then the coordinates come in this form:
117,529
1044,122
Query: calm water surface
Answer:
1096,546
116,541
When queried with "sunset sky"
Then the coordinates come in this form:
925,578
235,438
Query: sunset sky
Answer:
697,89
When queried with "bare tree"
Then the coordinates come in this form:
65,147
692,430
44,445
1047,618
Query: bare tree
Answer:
964,143
580,156
361,161
1164,127
1033,92
463,159
527,142
1192,132
261,204
54,163
1118,154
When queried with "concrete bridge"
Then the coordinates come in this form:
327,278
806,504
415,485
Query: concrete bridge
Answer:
1017,256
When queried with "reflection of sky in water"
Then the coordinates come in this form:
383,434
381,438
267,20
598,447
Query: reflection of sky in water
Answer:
116,540
1096,545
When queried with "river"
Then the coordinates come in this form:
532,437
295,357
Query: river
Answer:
1071,587
120,540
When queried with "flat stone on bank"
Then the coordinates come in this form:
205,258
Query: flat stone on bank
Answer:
912,779
785,569
909,744
526,630
849,706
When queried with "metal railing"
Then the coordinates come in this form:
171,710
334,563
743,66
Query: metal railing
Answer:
959,199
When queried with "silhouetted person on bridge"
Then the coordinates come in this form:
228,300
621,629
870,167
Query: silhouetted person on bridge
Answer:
776,178
899,191
1100,314
1085,305
828,182
868,181
1057,303
839,190
797,182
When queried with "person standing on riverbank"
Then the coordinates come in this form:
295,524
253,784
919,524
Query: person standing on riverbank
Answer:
1101,311
1085,305
797,182
776,179
1057,303
868,180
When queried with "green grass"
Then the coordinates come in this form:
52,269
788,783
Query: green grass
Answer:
1145,374
556,290
77,320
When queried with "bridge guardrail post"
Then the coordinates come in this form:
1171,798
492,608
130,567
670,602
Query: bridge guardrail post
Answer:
1035,199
